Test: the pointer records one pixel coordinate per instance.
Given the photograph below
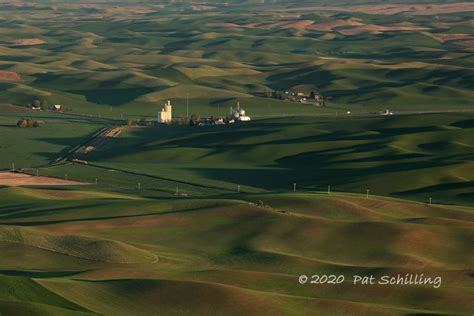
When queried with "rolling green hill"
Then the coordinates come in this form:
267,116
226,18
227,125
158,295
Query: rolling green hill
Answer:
414,156
404,56
247,257
105,217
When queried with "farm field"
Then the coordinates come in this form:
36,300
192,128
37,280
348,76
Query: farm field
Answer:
124,254
103,211
408,156
57,134
367,57
114,247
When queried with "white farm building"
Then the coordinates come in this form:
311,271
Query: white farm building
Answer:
239,114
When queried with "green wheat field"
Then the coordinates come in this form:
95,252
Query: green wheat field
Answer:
101,215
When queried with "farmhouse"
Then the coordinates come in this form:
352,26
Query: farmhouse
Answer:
165,115
56,107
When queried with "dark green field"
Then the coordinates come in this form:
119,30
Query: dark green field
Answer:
223,220
407,156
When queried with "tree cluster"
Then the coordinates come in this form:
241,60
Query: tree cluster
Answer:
26,123
43,104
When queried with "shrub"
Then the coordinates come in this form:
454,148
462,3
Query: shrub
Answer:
25,123
22,123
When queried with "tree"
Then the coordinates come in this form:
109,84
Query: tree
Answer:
312,95
44,105
25,123
36,103
22,123
194,120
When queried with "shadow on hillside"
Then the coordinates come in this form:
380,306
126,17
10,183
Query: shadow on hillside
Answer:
41,274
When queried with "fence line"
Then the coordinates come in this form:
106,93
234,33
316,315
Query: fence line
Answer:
153,186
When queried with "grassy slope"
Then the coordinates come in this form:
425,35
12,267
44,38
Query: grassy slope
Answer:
417,156
38,146
243,254
218,253
135,61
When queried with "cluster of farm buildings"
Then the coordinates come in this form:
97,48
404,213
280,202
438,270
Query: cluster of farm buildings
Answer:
165,116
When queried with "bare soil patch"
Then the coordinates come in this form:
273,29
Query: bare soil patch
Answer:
469,43
13,179
9,75
114,10
409,9
201,7
460,39
28,42
285,25
267,26
326,27
453,37
377,29
226,25
13,108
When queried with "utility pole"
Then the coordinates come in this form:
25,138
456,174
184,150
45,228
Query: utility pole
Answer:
96,181
139,185
65,176
430,200
238,189
294,187
37,172
177,190
13,166
187,104
329,189
367,196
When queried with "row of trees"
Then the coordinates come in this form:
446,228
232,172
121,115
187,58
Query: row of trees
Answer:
284,95
26,123
43,104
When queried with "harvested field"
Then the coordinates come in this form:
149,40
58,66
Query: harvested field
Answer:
224,24
325,27
267,26
453,37
115,10
409,9
469,43
284,25
377,29
9,75
335,24
28,42
201,7
20,179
